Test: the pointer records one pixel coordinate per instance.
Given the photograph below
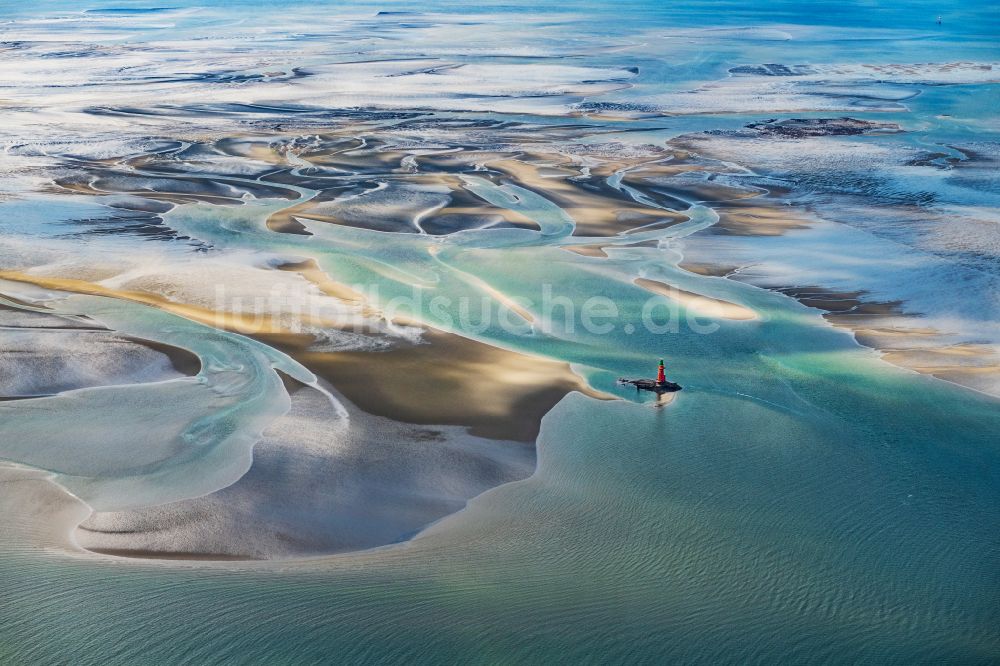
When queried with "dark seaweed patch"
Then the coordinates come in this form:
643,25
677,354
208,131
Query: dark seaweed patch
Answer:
809,127
146,227
772,69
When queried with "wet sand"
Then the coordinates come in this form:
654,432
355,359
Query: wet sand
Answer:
424,433
710,270
43,354
185,362
701,305
240,323
602,213
253,323
450,380
900,338
430,426
757,217
321,482
314,274
151,554
596,250
446,371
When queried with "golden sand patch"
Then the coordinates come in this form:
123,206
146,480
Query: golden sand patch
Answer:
445,380
449,380
595,214
589,250
309,270
757,219
230,321
701,305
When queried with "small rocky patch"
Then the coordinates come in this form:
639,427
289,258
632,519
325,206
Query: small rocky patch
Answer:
809,127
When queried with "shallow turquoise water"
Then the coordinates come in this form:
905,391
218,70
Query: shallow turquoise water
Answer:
857,534
801,501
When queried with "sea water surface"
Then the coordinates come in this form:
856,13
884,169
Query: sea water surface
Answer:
800,501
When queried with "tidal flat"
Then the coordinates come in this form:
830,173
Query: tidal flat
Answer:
311,321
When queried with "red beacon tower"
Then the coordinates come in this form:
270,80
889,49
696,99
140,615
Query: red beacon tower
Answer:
659,386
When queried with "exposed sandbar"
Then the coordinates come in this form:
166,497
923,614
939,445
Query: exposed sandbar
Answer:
702,305
450,380
595,250
710,270
321,482
597,213
886,327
